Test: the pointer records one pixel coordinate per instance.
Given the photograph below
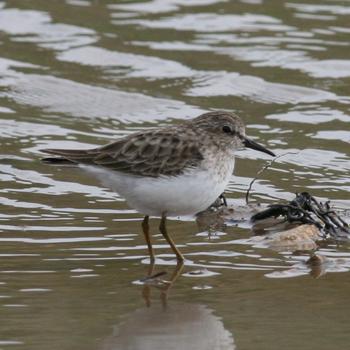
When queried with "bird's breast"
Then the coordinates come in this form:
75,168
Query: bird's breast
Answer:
219,163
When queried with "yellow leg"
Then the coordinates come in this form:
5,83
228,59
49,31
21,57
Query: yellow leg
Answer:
164,232
146,290
163,286
145,228
165,291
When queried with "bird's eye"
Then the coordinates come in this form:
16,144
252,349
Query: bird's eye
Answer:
226,129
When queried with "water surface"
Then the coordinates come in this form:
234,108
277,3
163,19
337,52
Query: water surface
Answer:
80,73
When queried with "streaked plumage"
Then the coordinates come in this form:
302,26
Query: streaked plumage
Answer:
175,170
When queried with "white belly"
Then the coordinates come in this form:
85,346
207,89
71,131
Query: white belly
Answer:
185,194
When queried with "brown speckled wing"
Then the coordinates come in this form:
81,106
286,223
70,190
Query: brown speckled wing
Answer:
153,153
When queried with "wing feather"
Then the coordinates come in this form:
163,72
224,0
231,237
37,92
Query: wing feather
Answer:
153,153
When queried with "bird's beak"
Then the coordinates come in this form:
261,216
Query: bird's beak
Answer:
254,145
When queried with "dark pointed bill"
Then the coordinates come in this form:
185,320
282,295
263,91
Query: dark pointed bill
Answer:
254,145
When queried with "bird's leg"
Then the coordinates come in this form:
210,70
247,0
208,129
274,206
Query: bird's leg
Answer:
146,291
164,286
145,228
146,295
223,198
180,262
170,283
164,232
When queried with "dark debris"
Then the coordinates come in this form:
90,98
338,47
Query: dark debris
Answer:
305,209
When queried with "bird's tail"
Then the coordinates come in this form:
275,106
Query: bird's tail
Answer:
57,161
68,156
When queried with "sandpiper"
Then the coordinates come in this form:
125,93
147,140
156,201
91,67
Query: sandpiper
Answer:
170,171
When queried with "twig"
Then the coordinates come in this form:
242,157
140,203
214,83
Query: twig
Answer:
262,170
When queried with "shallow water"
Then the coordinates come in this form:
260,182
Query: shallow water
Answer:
80,73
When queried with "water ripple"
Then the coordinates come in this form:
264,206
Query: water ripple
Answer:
35,26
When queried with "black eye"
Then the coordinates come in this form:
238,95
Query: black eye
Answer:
227,129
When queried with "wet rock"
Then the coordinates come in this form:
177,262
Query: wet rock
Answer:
217,218
302,237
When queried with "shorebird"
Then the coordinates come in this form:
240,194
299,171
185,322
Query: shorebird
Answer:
169,171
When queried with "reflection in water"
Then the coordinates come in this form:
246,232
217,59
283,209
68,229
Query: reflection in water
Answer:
233,84
178,326
35,26
213,22
152,279
161,6
56,95
139,66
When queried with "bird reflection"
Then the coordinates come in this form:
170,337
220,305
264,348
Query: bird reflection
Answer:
179,326
155,280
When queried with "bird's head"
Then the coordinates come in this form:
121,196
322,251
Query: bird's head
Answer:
229,128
